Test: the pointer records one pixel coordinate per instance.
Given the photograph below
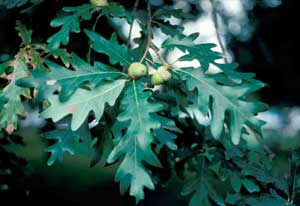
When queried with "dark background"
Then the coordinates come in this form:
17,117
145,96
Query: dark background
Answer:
270,53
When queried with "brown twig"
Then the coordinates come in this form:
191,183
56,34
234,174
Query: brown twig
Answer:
156,51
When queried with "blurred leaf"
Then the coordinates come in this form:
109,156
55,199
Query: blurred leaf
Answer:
250,185
18,3
233,198
268,200
168,12
66,140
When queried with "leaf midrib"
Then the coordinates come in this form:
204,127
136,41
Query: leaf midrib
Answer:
215,90
89,74
139,120
100,94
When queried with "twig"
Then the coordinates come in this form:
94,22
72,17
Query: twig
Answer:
149,33
294,182
46,56
266,148
259,139
149,60
155,49
131,24
216,25
93,29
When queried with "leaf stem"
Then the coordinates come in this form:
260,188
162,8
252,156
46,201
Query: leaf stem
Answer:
149,33
90,48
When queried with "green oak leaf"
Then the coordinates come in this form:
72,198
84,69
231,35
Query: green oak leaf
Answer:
168,12
3,67
260,173
224,100
24,33
201,52
63,55
10,96
116,10
232,198
69,23
202,187
250,185
82,102
272,199
102,147
164,135
18,3
169,29
135,145
117,53
65,142
68,141
206,56
70,80
236,182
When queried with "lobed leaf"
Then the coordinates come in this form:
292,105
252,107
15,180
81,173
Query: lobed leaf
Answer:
117,53
224,99
82,102
69,23
10,96
135,145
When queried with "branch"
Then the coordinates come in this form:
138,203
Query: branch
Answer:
131,24
216,25
149,33
155,49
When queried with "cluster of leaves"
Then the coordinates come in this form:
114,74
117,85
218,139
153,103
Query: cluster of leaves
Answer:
132,121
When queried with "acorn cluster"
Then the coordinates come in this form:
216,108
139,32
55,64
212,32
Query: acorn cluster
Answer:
137,70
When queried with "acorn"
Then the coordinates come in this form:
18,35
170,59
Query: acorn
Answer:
137,70
161,75
99,2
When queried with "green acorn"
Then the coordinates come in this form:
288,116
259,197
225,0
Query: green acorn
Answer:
137,70
99,2
161,75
